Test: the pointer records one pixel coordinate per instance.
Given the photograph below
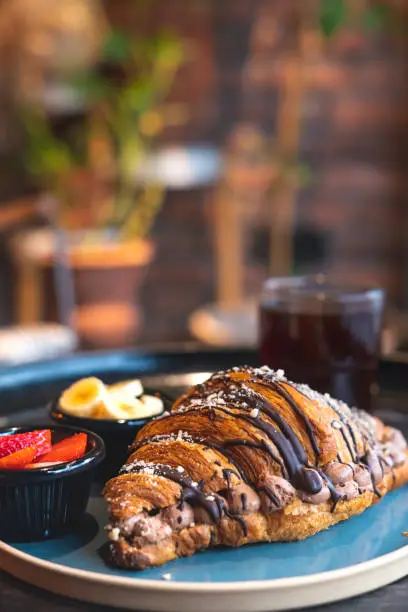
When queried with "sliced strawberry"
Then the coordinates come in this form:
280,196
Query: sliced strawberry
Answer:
18,460
67,450
40,439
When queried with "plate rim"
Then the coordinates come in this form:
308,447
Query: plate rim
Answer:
293,582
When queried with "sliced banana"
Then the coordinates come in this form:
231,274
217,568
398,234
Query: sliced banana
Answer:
129,407
89,397
149,406
81,398
132,387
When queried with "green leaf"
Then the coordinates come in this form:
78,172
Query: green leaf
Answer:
140,95
332,16
377,17
117,47
46,156
169,51
92,86
50,163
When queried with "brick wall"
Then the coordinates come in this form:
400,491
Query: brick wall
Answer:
354,135
354,139
193,22
360,189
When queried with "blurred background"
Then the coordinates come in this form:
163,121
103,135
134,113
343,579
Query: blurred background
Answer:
158,160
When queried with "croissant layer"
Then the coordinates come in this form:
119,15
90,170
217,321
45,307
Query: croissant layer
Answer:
247,457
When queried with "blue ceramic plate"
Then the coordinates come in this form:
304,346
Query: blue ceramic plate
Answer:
350,558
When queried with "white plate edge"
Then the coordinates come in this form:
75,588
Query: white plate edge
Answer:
205,587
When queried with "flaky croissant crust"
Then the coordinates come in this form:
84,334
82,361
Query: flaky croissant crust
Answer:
247,456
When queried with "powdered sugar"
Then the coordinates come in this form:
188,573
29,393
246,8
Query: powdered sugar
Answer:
113,534
208,399
156,469
266,373
139,466
172,437
233,396
310,394
338,406
226,373
366,424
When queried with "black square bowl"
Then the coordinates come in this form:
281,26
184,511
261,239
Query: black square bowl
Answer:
46,502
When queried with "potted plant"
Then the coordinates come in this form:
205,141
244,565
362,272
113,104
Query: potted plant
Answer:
91,178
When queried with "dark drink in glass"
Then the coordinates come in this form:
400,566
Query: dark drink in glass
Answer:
324,335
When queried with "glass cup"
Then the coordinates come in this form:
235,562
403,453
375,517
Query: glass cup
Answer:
323,334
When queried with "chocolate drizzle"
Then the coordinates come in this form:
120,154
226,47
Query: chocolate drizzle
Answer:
223,394
352,452
190,492
294,467
294,464
227,475
299,475
264,406
350,465
241,521
335,495
223,509
269,494
365,463
289,399
262,445
270,380
220,447
252,399
344,421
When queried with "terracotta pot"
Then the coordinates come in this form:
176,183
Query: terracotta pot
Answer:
107,279
106,276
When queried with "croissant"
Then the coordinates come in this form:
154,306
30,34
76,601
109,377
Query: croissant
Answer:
247,457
